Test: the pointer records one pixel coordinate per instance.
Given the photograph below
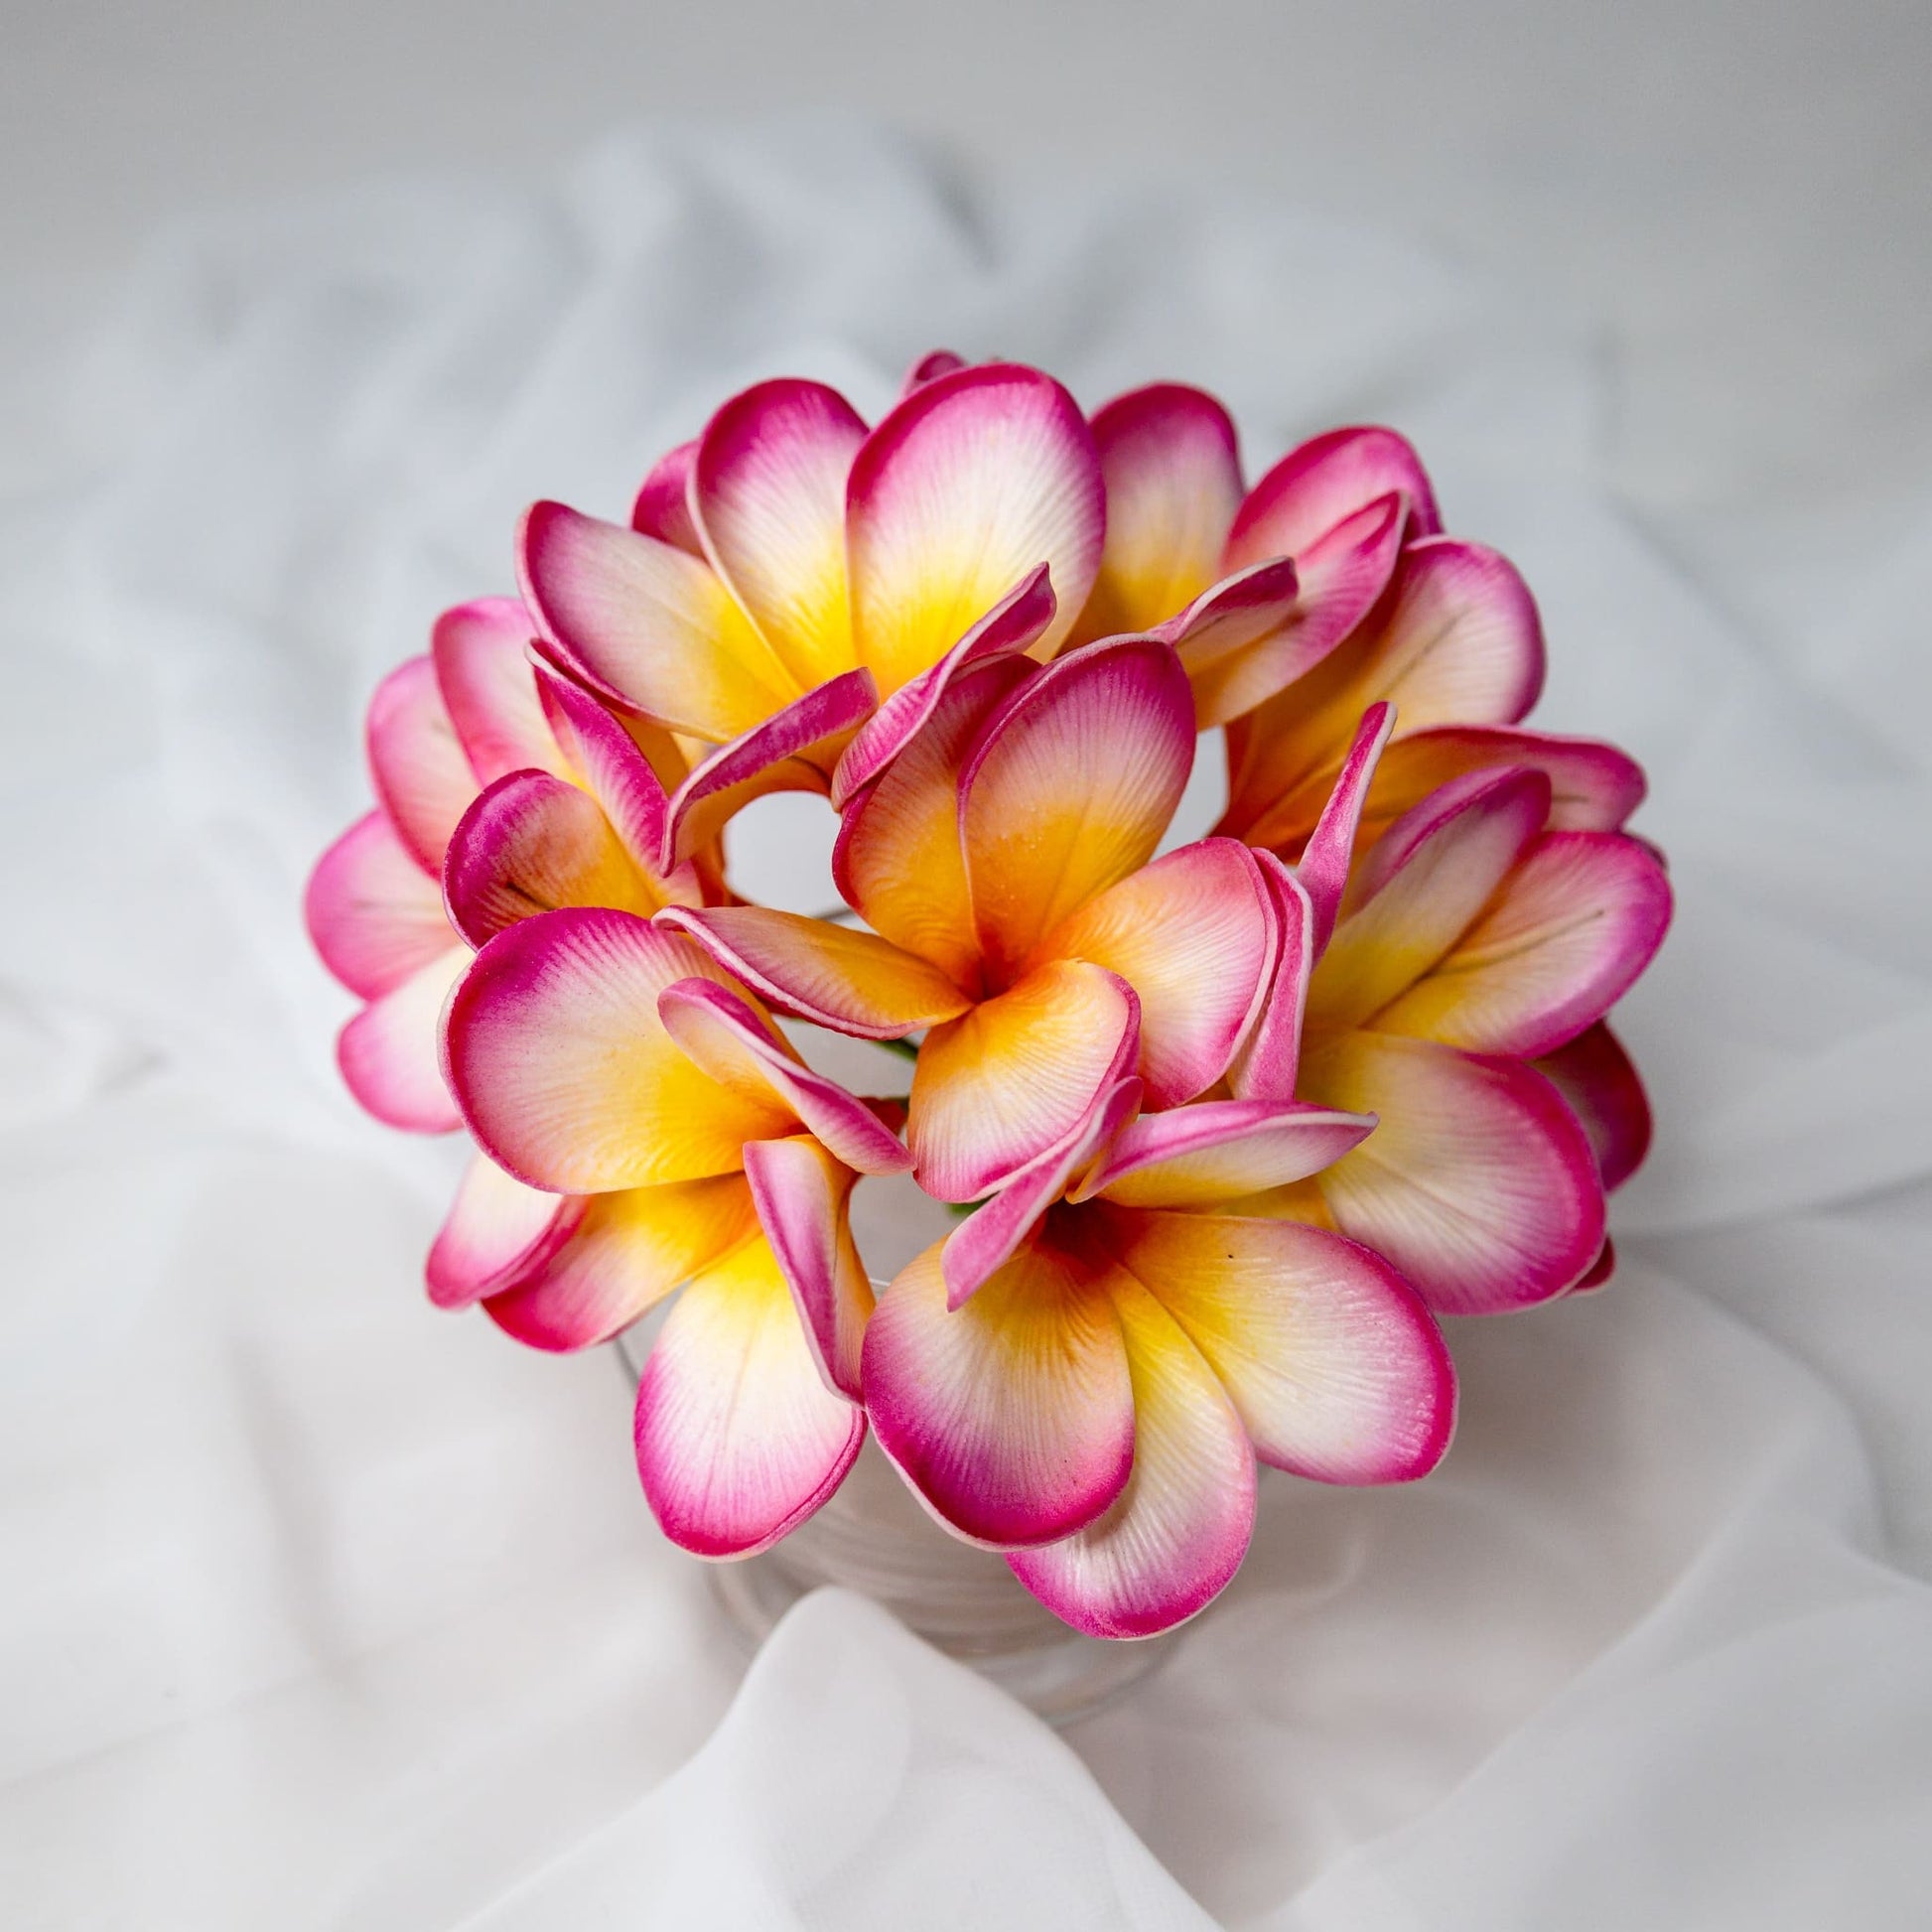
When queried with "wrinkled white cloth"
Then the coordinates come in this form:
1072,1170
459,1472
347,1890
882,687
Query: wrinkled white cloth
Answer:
324,1610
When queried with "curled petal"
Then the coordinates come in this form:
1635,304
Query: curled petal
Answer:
497,1228
1070,787
481,653
1173,472
973,479
930,367
373,915
621,1253
801,1191
1329,1357
1222,1149
1594,787
996,1088
1563,938
387,1053
1324,481
1176,1532
851,981
422,775
743,1053
663,506
1012,1416
737,1437
1195,935
768,493
1596,1077
1327,858
563,1070
646,627
1265,1068
1478,1184
1602,1271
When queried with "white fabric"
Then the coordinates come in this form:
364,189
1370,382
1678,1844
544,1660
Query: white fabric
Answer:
324,1610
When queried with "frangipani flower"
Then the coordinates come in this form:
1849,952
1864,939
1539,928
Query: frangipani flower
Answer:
654,1129
1002,862
526,793
1084,1373
789,568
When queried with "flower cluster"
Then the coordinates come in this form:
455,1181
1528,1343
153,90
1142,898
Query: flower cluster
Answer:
1229,1125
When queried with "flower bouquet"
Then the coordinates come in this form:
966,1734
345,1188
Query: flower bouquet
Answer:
1226,1126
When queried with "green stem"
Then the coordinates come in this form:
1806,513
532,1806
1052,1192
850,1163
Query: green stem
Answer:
905,1049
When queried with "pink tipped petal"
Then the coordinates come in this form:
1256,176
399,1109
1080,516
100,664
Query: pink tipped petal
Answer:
768,493
1264,1068
1594,787
372,913
1329,1357
565,1073
1341,577
1442,862
1324,481
1325,860
1596,1077
995,1089
1479,1183
1172,473
1012,1416
807,731
1178,1531
737,1437
1016,621
663,506
1070,787
1602,1271
988,1238
646,627
743,1051
621,1255
388,1057
801,1191
851,981
481,653
422,774
497,1228
1222,1149
930,369
1195,935
972,480
1561,942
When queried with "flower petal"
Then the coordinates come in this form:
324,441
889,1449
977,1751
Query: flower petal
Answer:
1173,472
1322,483
1478,1184
1070,788
1195,935
931,366
1329,856
743,1051
1176,1533
387,1054
769,495
372,914
1265,1067
1016,623
645,627
1561,942
1597,1078
663,506
802,1189
422,775
1442,864
851,981
1012,1416
563,1070
1222,1149
619,1257
1594,787
497,1228
481,653
995,1089
737,1437
973,479
1335,1367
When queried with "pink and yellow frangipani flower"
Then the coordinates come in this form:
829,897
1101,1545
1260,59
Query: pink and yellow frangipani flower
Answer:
1002,861
1459,1000
1084,1373
652,1129
792,568
500,791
